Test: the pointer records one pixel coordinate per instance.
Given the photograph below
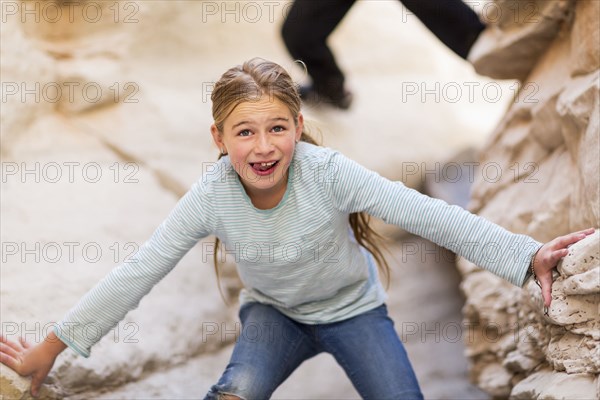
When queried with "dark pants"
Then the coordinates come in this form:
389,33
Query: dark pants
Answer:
310,22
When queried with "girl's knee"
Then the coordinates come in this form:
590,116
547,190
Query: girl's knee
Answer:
226,396
216,394
241,383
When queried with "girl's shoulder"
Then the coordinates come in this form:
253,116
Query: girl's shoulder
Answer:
314,164
217,174
310,153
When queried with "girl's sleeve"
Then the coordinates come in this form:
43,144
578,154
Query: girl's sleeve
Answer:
353,188
122,289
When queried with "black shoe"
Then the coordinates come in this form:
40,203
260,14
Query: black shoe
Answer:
309,95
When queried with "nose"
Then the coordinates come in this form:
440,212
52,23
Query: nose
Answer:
263,144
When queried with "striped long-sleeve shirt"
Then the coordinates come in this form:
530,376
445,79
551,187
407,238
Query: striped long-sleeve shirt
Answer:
299,256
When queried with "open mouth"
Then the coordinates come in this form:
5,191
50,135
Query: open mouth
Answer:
264,168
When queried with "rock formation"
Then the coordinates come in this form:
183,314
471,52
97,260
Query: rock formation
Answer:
545,158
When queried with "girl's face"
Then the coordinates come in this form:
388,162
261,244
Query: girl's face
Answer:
260,137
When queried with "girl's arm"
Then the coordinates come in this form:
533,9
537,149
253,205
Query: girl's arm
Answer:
353,188
124,287
27,360
119,292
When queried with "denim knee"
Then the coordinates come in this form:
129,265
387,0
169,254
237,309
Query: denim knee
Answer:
268,349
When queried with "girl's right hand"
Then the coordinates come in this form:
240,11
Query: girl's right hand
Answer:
548,256
27,360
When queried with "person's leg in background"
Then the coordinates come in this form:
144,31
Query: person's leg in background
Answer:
453,22
372,355
310,22
305,31
270,347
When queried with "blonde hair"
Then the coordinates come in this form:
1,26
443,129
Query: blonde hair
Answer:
249,82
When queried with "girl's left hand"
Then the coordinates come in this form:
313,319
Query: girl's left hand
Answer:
549,255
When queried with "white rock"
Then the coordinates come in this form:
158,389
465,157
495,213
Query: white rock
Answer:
575,105
495,380
573,309
558,133
585,38
13,386
550,385
583,256
26,70
517,362
574,354
585,283
96,82
512,45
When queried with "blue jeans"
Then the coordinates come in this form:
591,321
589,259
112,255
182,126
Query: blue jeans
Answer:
271,346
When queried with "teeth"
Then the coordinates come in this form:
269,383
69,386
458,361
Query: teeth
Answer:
266,164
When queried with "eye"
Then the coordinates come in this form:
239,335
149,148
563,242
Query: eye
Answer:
245,132
278,128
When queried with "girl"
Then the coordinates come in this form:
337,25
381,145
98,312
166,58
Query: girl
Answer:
295,216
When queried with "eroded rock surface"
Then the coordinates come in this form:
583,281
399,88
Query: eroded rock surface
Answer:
547,148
